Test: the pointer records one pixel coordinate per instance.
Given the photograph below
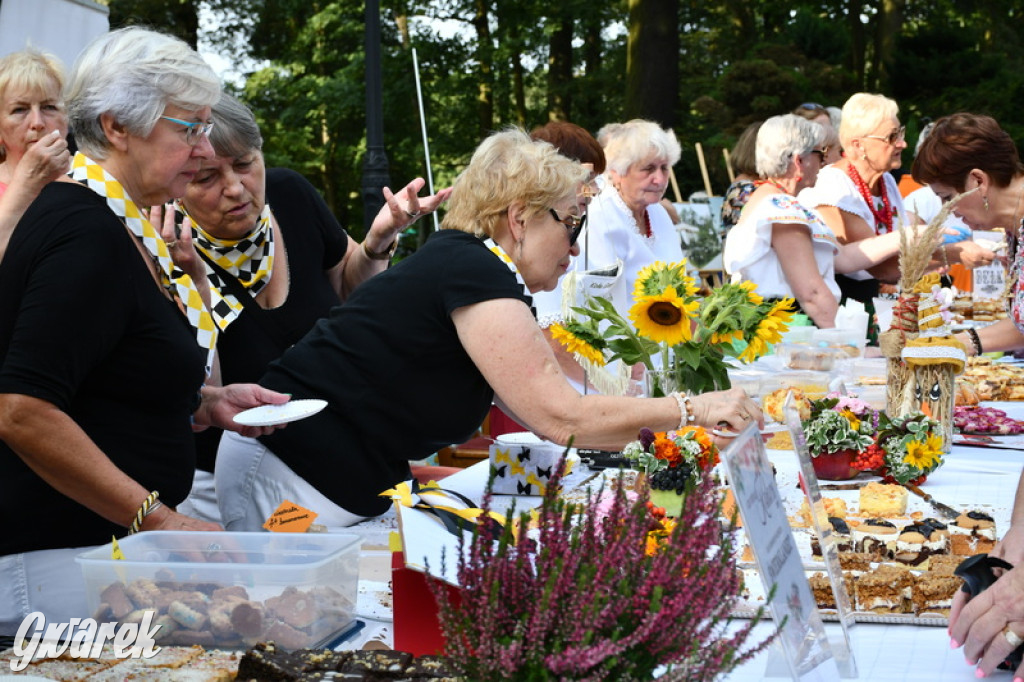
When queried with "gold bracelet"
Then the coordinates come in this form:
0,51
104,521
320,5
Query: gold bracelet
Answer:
383,255
148,506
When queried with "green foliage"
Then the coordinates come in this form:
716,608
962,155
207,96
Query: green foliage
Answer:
486,64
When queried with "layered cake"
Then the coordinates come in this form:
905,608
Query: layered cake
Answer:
944,564
876,537
887,589
821,587
972,532
933,594
856,561
881,499
918,542
840,534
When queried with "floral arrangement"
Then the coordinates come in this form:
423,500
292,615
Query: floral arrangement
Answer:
673,460
839,423
907,448
691,336
579,596
902,449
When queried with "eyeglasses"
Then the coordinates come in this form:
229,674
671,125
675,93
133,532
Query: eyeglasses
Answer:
892,138
193,129
573,223
821,154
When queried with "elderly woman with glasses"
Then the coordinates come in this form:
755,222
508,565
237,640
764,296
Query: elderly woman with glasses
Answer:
627,230
103,357
785,247
275,256
859,198
414,358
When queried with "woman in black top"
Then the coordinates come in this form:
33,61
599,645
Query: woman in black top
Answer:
276,257
413,360
100,372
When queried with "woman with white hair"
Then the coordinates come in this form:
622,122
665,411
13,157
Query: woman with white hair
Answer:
784,246
859,198
103,357
626,230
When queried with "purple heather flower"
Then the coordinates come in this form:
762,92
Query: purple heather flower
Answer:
646,438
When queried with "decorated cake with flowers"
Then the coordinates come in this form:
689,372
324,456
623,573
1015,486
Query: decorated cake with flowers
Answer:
673,462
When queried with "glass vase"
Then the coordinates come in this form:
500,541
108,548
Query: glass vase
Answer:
658,383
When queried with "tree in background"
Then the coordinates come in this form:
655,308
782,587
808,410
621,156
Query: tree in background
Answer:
706,69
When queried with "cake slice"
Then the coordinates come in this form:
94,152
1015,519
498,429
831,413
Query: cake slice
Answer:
881,499
932,595
876,537
887,589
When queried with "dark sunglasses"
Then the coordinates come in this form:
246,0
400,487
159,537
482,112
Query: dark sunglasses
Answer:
573,223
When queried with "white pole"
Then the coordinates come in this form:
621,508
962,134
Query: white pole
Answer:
423,128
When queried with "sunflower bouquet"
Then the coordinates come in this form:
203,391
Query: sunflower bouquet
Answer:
675,333
910,447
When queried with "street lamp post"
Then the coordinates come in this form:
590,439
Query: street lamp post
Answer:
375,163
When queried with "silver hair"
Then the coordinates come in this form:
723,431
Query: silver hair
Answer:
922,136
638,140
864,112
782,137
235,131
133,74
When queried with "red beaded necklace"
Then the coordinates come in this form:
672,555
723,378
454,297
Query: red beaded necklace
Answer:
774,183
883,216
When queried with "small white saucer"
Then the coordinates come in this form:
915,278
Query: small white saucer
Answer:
272,415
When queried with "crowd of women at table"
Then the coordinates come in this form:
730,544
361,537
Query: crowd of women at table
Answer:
161,279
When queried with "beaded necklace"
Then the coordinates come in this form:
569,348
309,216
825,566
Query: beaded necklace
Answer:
883,216
774,183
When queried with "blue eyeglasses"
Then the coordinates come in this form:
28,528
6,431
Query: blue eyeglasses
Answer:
573,224
193,129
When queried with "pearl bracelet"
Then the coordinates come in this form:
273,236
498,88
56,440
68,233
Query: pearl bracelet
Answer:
686,416
148,506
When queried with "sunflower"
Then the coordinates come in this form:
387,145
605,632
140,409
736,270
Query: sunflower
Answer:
664,317
752,296
658,276
727,338
579,340
769,330
924,456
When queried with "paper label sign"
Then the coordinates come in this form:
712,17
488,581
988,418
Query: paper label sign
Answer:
804,642
290,518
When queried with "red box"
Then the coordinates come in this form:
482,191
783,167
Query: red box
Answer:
417,629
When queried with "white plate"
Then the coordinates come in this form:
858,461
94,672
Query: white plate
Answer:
271,415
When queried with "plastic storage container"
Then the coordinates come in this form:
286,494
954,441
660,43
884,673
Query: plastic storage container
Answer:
851,341
810,356
229,590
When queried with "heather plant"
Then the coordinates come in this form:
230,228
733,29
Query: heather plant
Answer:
577,597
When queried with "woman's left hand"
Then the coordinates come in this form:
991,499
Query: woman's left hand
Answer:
981,626
731,409
221,403
399,212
